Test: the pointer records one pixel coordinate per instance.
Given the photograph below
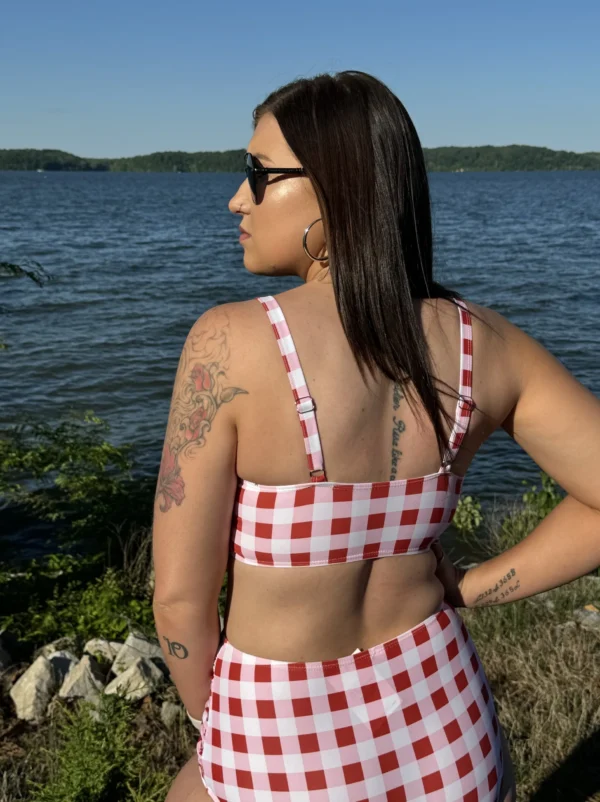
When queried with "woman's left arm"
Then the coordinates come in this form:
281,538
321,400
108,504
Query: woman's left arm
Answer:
564,546
193,506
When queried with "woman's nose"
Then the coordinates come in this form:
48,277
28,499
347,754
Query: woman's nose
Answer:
235,204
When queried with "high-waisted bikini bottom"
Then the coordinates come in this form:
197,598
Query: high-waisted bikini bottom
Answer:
409,719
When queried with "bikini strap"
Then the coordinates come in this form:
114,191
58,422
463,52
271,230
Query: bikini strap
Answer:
465,403
305,405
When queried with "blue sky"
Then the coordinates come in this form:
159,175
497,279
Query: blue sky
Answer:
123,78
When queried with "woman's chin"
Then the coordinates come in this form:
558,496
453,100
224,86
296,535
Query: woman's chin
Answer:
260,269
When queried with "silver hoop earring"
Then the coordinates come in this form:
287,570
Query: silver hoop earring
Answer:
306,251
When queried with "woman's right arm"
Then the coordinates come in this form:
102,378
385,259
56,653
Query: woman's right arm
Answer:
556,420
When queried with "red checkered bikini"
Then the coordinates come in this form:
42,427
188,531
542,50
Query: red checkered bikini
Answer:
409,719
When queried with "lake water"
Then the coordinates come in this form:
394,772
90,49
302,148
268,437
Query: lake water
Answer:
136,258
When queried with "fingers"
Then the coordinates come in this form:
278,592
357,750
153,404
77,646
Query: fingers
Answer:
438,551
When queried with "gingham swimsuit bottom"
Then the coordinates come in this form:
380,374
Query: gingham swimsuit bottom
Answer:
409,719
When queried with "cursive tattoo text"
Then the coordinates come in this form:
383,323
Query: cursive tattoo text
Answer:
399,427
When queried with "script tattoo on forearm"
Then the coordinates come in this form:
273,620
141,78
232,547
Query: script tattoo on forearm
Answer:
199,390
501,591
399,427
176,649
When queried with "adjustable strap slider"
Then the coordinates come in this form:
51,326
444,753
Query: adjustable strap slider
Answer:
305,404
467,402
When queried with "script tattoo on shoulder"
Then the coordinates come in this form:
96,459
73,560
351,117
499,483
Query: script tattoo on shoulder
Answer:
200,389
399,427
500,592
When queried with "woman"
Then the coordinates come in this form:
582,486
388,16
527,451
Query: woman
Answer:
344,671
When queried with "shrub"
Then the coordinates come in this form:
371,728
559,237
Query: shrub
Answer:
103,607
80,477
98,760
467,517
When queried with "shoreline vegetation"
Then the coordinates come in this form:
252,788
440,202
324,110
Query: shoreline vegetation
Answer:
485,158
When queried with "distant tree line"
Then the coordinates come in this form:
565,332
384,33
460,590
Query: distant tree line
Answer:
508,157
446,159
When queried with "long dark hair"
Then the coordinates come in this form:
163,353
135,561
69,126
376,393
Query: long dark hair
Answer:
362,153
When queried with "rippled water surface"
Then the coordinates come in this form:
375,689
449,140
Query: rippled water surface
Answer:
136,258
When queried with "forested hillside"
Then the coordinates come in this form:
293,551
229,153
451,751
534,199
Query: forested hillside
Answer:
445,159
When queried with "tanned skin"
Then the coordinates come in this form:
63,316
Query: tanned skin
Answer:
200,389
399,427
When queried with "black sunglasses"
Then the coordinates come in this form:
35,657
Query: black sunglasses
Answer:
255,171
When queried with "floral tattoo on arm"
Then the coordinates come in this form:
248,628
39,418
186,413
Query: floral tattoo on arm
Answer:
200,389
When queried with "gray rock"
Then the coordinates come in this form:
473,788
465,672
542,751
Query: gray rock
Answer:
62,663
141,678
57,645
170,713
135,647
589,619
108,649
85,679
34,689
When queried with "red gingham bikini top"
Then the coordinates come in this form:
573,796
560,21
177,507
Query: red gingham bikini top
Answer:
320,522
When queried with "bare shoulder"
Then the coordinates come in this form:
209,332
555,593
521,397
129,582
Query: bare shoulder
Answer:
230,323
230,337
486,322
549,412
494,336
235,312
490,336
497,370
217,347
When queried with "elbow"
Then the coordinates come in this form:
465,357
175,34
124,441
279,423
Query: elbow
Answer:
194,613
161,605
178,606
181,594
164,605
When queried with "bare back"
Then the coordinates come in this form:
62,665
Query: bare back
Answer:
322,612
